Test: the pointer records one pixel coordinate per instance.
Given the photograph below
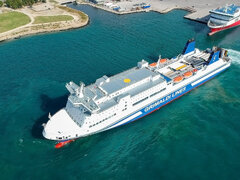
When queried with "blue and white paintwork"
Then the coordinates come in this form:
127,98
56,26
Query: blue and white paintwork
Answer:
229,9
167,99
132,94
224,18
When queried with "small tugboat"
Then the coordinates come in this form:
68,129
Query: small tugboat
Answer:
224,18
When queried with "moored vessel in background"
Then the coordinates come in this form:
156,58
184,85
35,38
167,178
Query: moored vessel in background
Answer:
120,99
224,18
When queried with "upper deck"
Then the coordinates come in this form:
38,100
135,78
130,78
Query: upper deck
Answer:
229,10
102,93
143,80
128,79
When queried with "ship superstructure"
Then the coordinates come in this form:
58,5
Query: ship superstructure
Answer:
114,101
224,18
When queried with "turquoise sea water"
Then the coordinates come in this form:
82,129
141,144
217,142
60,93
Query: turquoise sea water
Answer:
195,137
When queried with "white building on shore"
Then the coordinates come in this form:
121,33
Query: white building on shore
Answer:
98,1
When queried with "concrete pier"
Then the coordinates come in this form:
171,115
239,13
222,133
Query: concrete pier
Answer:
111,10
201,16
198,10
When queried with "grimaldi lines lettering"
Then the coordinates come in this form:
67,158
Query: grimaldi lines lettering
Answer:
166,98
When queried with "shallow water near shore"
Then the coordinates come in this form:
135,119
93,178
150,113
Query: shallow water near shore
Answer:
194,137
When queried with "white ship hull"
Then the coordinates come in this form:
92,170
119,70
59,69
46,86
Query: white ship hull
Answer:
167,98
62,125
224,18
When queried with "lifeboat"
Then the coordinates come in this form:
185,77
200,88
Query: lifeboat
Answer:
153,64
63,143
163,60
178,79
188,74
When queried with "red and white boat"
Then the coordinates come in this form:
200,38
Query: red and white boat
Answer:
224,18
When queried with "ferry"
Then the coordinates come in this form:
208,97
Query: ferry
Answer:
123,98
224,18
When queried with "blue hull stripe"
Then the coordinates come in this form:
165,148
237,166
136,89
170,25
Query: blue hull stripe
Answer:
163,101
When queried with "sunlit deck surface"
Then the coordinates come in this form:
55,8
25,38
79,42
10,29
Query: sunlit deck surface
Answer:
135,75
228,10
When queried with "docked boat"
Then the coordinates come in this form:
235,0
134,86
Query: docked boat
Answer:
224,18
123,98
145,6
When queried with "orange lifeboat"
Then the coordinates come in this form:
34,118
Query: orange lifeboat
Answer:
63,143
178,79
163,60
153,64
188,74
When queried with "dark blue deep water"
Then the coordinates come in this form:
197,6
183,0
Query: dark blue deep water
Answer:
195,137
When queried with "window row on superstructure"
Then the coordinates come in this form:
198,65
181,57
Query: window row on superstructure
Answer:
102,120
140,101
154,94
146,93
221,17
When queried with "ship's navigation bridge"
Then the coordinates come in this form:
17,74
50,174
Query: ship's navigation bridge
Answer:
81,96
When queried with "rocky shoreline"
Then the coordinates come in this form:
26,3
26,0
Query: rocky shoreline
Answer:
45,28
32,29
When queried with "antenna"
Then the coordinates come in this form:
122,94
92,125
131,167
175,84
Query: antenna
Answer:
158,62
159,57
49,115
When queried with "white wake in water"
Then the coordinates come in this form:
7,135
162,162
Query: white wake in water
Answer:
234,55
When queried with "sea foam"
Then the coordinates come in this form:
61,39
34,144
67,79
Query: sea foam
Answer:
235,55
